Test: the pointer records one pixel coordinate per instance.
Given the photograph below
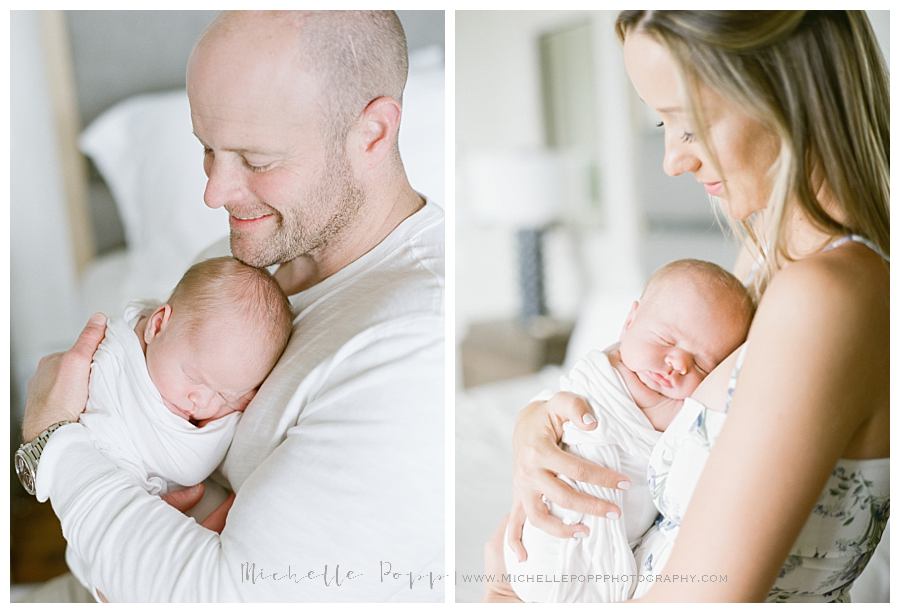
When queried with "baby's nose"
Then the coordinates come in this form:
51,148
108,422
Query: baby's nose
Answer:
200,398
679,362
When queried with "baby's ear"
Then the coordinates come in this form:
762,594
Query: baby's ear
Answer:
158,321
629,319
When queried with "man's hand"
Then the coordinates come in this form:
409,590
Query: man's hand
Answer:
58,390
186,499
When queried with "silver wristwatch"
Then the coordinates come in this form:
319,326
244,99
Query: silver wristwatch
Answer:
29,454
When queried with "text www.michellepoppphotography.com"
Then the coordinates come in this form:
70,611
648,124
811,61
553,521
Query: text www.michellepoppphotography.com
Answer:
588,578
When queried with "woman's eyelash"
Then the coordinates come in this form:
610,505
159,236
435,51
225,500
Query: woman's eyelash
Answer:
686,137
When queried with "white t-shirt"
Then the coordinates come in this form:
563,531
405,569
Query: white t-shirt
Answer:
337,463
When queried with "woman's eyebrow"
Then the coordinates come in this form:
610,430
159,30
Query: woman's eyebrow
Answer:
666,109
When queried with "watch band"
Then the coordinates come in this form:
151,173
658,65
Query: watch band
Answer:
29,454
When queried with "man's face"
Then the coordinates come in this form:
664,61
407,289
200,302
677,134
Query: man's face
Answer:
270,159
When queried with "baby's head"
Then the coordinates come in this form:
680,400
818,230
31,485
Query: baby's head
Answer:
217,337
691,316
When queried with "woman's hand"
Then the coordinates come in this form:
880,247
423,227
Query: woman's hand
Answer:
538,460
58,390
494,568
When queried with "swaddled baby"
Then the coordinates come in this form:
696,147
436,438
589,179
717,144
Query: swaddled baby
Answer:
691,316
169,382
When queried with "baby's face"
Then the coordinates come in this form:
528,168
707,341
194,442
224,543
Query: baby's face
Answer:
206,374
672,340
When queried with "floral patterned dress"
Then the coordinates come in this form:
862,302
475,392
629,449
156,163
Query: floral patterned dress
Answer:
834,545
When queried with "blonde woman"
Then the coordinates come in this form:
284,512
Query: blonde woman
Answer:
773,480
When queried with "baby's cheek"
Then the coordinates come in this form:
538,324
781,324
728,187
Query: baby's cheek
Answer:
244,400
692,382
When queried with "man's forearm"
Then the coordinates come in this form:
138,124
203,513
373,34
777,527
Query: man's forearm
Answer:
136,547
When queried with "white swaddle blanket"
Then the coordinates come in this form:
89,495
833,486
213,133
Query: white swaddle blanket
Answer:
129,423
601,566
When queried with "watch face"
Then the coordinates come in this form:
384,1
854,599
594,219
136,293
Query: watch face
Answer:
24,473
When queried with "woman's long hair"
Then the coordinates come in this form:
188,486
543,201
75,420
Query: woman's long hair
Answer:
817,79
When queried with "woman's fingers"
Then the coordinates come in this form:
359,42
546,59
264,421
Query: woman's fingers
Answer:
539,515
578,469
514,526
497,589
565,496
566,406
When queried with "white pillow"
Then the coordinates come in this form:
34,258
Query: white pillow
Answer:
145,150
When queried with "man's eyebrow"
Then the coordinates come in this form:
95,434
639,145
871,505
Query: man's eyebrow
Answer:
241,150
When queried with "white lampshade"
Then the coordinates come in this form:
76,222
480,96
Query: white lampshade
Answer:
516,188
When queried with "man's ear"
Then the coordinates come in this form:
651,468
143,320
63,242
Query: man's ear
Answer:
158,321
629,319
376,132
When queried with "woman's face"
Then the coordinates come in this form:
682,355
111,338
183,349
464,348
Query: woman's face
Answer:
745,148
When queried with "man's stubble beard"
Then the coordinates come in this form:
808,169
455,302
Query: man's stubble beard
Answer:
300,230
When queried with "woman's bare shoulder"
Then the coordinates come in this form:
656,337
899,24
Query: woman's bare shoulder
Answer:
840,297
849,286
825,320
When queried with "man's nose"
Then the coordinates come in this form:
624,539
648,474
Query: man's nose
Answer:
224,184
679,158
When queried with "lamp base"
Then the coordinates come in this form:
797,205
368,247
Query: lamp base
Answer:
529,243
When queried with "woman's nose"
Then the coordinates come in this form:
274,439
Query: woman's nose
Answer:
679,158
225,181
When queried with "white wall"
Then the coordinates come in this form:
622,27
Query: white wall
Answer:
42,280
498,105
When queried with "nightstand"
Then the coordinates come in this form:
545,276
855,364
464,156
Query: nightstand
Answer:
494,350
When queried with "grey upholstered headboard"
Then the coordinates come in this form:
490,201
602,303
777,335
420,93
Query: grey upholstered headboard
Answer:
117,54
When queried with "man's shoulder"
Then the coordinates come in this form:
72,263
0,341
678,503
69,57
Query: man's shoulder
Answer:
403,276
423,234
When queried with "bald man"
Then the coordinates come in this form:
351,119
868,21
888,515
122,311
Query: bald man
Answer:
337,463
